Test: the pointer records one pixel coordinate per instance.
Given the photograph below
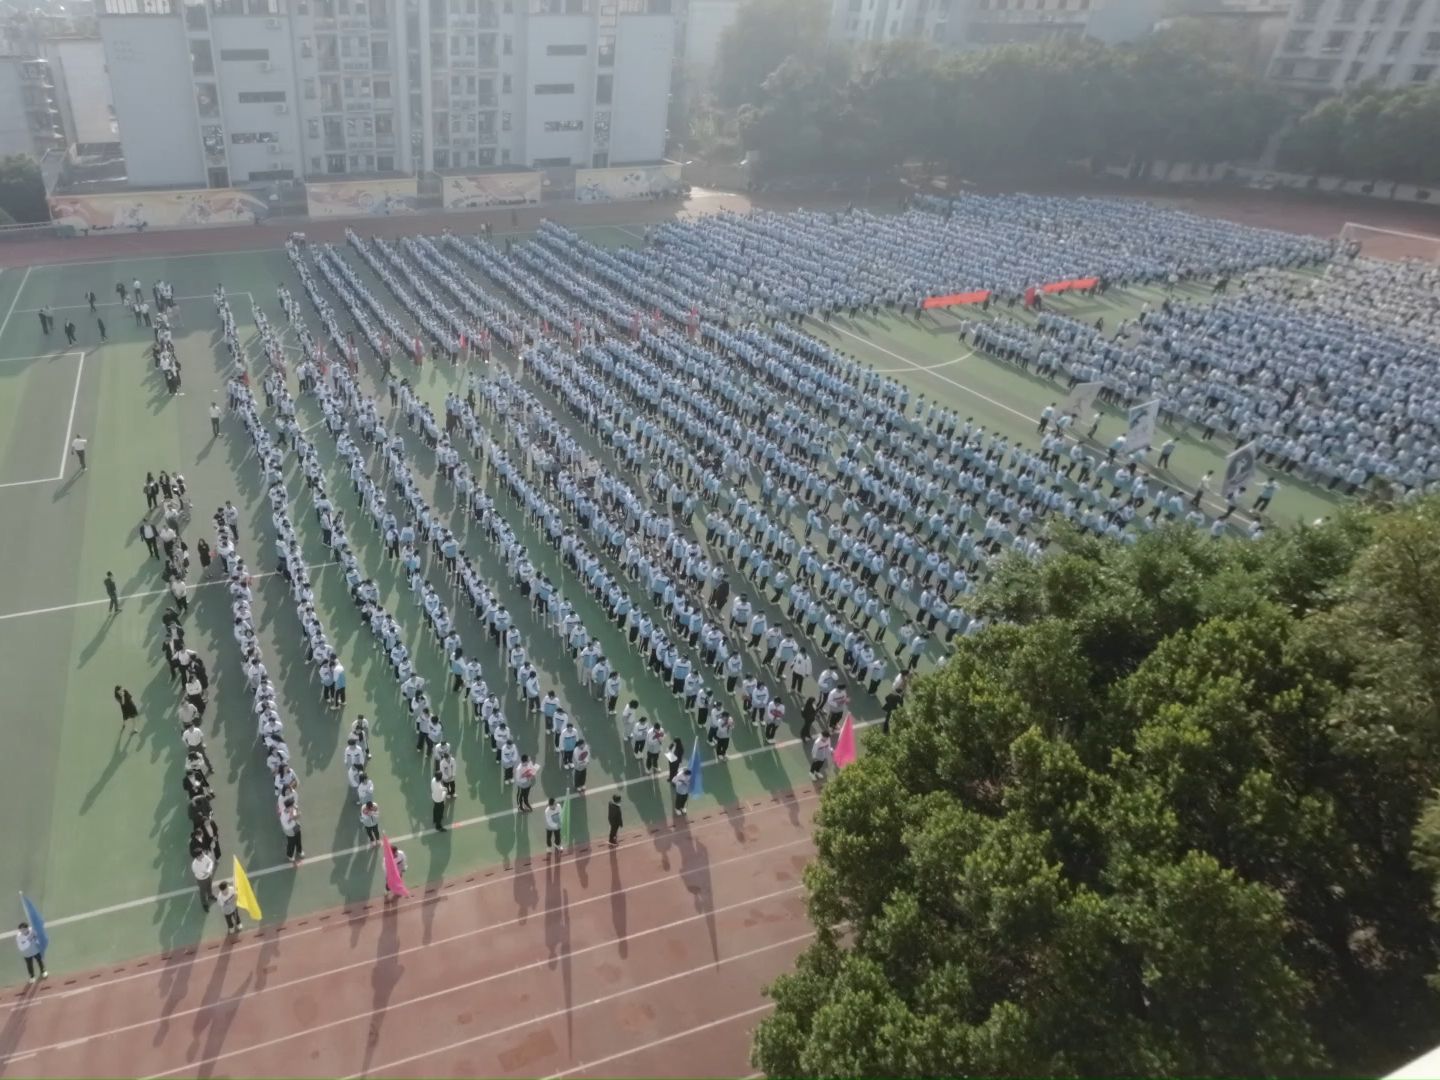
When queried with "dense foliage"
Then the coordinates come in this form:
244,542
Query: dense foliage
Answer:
1370,133
805,106
1174,813
22,190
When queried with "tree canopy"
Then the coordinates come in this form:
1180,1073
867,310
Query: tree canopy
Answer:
1370,133
1174,812
22,189
998,110
763,35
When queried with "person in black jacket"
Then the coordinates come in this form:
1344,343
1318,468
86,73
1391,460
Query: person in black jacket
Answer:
615,820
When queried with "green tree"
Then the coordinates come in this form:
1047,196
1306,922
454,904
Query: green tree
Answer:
1141,829
765,33
22,190
1370,132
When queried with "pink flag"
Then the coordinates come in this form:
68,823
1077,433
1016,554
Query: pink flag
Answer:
393,879
845,744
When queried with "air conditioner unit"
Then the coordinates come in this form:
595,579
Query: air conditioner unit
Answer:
275,148
272,24
281,109
266,66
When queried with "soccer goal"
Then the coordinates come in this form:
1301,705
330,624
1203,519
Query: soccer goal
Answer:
1377,243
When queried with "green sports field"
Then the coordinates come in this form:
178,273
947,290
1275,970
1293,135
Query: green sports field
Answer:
96,822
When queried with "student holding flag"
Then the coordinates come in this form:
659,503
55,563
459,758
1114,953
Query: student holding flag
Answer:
32,940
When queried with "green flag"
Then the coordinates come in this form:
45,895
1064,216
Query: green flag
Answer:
565,823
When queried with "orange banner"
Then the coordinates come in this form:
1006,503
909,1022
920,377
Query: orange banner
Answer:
1073,283
977,297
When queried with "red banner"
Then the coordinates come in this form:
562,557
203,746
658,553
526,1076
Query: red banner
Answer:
977,297
1073,283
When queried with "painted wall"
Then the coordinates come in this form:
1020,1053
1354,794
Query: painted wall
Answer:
149,63
491,189
361,198
616,185
156,209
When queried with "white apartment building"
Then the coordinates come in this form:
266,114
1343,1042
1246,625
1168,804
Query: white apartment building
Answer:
980,23
1328,45
223,93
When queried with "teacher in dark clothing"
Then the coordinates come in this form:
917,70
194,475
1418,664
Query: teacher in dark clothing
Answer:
616,820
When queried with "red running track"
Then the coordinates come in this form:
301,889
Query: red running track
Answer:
645,960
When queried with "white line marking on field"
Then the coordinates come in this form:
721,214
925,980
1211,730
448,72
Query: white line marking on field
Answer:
943,378
107,304
602,999
329,856
42,356
13,300
135,595
684,1033
932,367
1389,232
627,231
70,424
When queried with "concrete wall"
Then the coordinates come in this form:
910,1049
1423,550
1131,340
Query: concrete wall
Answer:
542,32
277,120
644,51
88,103
149,61
14,127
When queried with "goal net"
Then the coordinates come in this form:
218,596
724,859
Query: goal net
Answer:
1376,243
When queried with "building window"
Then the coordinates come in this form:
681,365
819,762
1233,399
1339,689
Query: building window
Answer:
1412,8
551,162
566,50
604,89
1423,73
1381,12
605,51
1432,42
442,159
505,83
244,138
1353,75
1366,40
504,121
555,88
1349,11
317,164
1296,40
600,160
260,97
312,126
1397,42
385,163
335,163
272,174
1285,69
244,54
1310,10
1335,41
564,125
507,45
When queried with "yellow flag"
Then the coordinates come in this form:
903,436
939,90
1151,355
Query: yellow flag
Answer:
244,894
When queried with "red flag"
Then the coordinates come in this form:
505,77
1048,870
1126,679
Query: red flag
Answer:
845,744
394,880
419,350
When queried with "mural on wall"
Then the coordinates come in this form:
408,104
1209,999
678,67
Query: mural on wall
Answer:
628,182
156,209
491,189
361,198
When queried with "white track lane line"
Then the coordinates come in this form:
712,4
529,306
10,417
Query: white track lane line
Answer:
370,961
556,1014
495,976
684,1034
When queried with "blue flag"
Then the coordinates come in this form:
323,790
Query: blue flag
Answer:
37,924
697,786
